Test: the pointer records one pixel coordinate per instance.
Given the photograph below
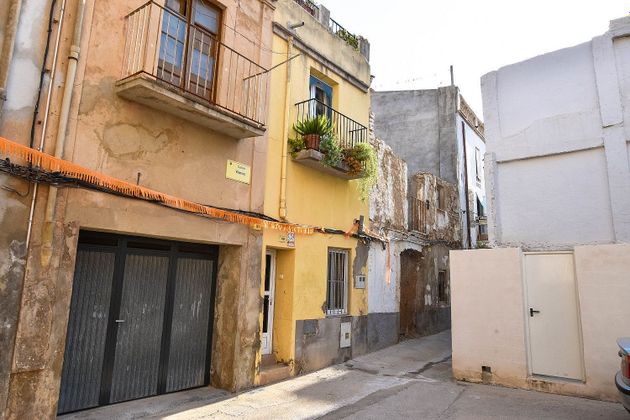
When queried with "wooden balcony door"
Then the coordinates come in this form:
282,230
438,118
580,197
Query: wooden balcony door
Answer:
189,45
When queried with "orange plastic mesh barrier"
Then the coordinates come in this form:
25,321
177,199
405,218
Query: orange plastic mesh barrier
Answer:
53,164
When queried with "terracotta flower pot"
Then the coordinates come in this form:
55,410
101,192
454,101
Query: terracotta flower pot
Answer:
312,141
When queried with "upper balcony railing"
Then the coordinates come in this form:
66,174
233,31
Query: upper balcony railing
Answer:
333,26
347,131
161,43
350,38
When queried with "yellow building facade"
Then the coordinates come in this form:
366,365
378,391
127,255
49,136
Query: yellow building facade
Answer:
314,287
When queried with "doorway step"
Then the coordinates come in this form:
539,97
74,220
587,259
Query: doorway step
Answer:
272,371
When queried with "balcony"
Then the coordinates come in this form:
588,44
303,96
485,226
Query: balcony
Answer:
345,132
322,14
182,69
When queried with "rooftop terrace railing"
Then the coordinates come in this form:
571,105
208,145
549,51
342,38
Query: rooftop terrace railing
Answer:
333,26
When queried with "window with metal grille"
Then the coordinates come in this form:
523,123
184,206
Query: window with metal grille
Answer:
337,285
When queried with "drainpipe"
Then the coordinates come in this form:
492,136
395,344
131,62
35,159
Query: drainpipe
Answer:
466,187
51,80
285,135
64,116
6,53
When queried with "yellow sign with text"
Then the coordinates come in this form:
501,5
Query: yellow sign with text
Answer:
238,172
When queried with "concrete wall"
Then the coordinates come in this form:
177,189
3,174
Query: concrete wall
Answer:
547,119
135,143
424,128
488,316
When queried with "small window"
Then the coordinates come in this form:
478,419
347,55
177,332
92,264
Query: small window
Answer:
442,287
322,93
441,198
480,209
337,284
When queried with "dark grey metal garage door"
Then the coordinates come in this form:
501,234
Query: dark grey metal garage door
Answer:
140,320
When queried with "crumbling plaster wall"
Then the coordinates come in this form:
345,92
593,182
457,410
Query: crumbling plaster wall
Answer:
136,144
548,118
434,223
388,198
15,124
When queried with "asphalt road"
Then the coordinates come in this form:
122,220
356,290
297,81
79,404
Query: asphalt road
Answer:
409,380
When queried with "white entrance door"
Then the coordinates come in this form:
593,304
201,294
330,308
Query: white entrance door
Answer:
554,332
268,298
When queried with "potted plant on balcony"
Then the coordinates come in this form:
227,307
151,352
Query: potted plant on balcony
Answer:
312,129
361,159
333,153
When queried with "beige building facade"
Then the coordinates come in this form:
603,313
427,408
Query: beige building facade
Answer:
163,95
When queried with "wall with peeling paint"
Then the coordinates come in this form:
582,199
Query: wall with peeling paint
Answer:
135,143
547,119
424,127
407,213
15,123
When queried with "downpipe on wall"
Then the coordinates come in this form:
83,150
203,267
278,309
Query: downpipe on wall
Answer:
42,141
64,115
285,134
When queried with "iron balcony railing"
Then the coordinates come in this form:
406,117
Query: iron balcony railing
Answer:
350,38
333,26
162,44
347,131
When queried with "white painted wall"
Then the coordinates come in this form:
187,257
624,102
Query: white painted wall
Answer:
478,187
557,132
384,297
488,317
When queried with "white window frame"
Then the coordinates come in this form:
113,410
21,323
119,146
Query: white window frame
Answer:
335,257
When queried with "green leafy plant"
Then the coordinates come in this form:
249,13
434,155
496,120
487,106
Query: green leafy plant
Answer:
316,125
296,145
329,146
365,155
350,39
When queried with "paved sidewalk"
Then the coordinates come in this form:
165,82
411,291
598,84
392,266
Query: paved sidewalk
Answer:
409,380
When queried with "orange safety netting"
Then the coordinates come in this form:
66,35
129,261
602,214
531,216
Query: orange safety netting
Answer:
53,164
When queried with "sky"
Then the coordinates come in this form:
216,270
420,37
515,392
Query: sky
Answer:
414,42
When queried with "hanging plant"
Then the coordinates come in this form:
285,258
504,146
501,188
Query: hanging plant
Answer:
296,145
362,159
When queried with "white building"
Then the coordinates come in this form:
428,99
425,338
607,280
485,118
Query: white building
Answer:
544,311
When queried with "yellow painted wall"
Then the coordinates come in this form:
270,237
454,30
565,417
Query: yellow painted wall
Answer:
313,197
